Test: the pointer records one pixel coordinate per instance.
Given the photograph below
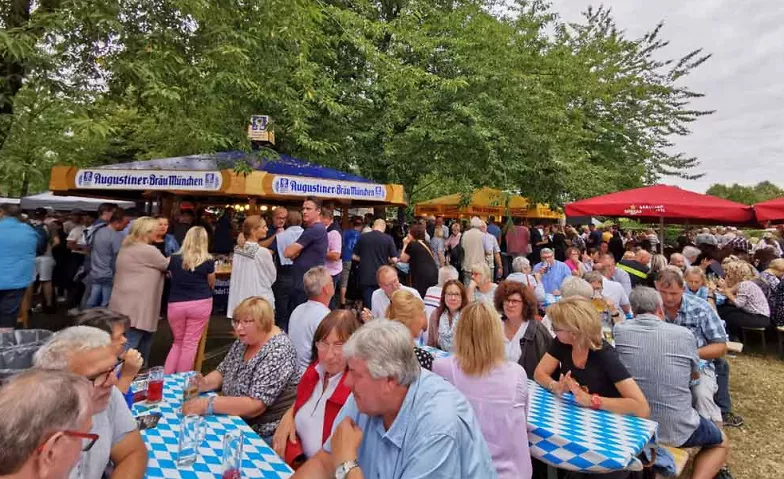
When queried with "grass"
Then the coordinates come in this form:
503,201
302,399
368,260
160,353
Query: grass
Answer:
757,389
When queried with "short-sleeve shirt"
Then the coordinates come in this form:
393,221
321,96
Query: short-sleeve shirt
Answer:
189,285
334,244
112,425
265,376
314,252
374,250
602,369
434,435
350,238
699,317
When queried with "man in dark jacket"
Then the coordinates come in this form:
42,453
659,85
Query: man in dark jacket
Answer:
638,268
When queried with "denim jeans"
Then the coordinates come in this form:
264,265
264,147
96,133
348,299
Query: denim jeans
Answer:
141,341
99,295
282,289
10,302
722,397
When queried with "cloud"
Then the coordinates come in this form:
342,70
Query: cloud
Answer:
743,142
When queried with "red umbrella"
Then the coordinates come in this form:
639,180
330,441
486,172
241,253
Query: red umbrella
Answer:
663,202
771,210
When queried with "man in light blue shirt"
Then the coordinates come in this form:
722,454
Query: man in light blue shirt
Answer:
401,422
553,272
17,262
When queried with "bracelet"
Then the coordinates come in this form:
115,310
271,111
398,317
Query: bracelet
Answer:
210,409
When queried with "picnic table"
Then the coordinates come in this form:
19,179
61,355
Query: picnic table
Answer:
565,435
259,461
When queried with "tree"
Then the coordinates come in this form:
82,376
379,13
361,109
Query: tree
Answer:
748,195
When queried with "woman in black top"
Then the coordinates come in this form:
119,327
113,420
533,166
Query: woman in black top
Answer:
559,243
420,258
588,366
190,299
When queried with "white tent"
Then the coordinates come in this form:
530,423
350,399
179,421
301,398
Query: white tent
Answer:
67,203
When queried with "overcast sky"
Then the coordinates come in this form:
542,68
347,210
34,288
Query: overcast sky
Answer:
743,142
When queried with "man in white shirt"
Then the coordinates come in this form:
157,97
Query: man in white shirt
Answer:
307,316
492,253
388,283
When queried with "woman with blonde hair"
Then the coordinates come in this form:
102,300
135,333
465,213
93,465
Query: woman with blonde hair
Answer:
481,287
496,388
192,272
406,308
138,284
258,377
589,367
747,305
253,271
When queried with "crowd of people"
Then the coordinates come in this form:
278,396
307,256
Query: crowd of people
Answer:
329,365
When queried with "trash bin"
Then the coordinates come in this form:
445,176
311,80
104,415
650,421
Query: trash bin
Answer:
17,349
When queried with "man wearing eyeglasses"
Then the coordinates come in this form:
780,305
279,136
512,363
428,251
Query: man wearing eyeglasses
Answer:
43,438
88,352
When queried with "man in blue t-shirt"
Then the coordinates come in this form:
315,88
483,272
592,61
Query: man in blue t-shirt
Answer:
350,238
17,262
309,250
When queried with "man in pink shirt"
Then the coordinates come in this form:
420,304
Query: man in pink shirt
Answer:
333,262
518,238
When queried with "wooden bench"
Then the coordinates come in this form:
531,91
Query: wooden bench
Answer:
682,458
760,331
780,337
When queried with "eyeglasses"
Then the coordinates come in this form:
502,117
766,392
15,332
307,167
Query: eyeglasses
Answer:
513,301
88,439
325,347
453,295
102,378
245,323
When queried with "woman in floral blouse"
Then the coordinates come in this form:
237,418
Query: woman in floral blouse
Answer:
258,377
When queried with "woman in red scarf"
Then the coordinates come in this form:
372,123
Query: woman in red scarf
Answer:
321,392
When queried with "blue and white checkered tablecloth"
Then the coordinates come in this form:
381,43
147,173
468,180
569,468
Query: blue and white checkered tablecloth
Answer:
568,436
260,461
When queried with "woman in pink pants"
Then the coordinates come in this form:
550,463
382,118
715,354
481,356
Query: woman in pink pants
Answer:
190,299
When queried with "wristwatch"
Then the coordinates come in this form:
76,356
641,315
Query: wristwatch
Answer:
343,469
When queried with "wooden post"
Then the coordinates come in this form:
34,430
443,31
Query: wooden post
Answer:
200,354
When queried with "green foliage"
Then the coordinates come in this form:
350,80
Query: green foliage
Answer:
440,96
747,194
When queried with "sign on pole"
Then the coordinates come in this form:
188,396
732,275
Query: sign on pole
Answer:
258,129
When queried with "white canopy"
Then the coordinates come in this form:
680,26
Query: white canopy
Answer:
67,203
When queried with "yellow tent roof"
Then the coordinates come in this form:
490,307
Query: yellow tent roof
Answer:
485,202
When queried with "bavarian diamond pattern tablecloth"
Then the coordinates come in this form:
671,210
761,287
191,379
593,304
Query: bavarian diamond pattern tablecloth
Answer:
568,436
260,461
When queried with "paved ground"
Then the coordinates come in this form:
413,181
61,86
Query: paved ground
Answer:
757,385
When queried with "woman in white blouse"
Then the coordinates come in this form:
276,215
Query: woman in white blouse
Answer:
321,393
252,271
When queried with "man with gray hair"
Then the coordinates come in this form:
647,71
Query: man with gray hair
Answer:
552,272
697,316
475,248
662,358
679,261
522,274
43,438
307,316
691,253
88,352
401,421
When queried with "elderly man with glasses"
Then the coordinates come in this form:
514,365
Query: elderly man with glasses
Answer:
43,438
88,352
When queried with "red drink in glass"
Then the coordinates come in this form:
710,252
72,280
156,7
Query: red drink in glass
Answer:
155,385
155,391
231,473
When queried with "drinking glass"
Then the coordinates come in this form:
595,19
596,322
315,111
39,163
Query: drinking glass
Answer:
155,384
192,432
232,455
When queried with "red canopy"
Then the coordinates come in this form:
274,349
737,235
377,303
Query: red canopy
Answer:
663,201
771,210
